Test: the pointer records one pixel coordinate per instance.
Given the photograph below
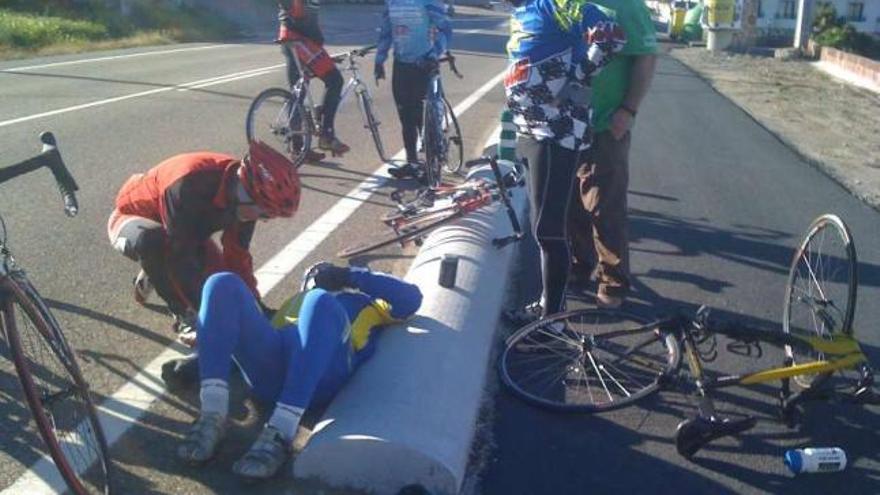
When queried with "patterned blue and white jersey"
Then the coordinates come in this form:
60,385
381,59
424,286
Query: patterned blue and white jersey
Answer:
554,43
418,29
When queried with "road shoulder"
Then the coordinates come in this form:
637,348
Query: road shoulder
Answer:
830,124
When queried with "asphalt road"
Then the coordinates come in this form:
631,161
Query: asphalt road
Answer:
717,206
115,117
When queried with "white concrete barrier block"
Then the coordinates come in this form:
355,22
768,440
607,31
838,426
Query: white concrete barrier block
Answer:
408,416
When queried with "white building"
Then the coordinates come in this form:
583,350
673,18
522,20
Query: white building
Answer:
781,15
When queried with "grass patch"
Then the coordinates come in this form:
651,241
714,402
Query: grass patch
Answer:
149,38
31,29
20,30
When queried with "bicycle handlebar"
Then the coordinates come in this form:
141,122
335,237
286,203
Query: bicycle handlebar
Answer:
50,158
66,183
359,52
450,59
503,183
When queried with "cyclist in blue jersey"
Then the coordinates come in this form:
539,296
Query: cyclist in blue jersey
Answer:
300,356
555,47
419,31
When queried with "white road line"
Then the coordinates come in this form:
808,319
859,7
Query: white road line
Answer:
226,79
113,57
131,401
482,31
189,85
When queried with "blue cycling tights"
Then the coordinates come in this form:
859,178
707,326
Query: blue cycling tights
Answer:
297,364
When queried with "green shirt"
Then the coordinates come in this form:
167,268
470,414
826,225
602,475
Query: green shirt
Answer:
610,85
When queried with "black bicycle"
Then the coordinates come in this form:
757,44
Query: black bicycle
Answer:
50,377
441,135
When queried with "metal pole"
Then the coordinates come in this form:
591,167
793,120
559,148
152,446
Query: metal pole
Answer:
804,22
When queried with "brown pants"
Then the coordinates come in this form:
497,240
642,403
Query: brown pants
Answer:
597,224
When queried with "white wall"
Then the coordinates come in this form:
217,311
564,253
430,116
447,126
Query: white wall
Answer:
871,13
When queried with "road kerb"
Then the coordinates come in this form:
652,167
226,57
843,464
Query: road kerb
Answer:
409,414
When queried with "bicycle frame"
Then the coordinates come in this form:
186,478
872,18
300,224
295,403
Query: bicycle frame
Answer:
51,159
434,98
468,197
354,84
840,352
19,296
843,350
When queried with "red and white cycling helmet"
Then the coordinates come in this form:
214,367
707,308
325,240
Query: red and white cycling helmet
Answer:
270,179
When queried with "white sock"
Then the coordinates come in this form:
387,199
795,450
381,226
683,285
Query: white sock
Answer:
286,419
214,396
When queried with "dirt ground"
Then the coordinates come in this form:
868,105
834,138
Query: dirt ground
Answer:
832,124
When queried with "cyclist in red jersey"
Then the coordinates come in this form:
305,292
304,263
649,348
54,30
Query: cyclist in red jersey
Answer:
299,32
164,220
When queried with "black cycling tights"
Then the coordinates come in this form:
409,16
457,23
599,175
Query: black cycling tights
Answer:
332,94
551,172
409,84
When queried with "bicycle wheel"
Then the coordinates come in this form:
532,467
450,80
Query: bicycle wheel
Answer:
431,131
820,296
54,389
588,360
372,122
455,143
412,229
279,120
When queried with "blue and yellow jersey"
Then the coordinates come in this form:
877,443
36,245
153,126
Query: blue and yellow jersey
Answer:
380,299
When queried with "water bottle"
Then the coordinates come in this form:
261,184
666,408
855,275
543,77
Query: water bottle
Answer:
815,460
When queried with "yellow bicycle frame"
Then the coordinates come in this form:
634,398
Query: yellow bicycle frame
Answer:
845,349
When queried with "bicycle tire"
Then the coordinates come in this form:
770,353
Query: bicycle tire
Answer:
433,173
414,229
281,111
591,349
818,299
455,152
80,453
372,122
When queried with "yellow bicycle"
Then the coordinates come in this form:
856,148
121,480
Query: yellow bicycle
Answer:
601,359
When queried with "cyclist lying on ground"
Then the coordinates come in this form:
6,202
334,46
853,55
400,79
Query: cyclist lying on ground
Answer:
555,47
165,217
420,31
301,356
299,31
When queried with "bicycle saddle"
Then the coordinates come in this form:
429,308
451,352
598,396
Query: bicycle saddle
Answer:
692,434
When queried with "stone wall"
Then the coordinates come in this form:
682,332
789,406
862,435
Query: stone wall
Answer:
862,67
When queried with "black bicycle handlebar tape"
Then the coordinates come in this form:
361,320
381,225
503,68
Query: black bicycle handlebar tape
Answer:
29,165
66,184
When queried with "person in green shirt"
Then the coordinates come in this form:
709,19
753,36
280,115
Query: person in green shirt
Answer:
598,226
